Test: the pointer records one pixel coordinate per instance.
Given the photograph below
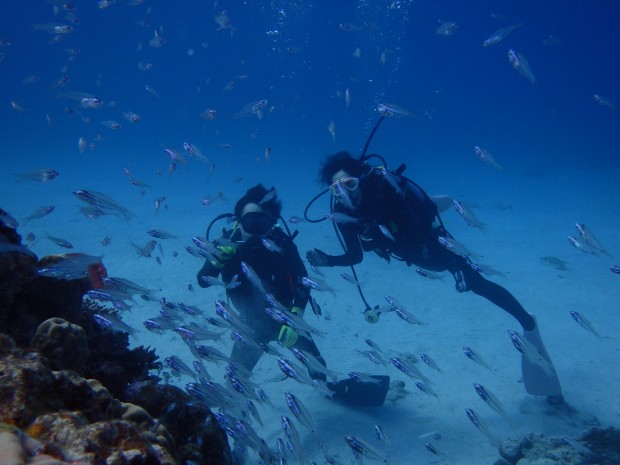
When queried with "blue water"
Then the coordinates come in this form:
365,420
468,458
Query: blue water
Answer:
558,147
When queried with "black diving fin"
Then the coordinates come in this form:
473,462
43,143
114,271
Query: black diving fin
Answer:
363,393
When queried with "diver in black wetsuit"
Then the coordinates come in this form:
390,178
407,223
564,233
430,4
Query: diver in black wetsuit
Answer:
272,255
388,214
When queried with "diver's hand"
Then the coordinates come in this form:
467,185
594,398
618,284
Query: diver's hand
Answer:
288,336
224,253
317,257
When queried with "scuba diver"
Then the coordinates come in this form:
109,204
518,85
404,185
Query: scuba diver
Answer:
257,244
379,210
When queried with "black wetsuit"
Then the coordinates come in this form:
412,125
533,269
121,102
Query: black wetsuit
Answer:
409,217
280,273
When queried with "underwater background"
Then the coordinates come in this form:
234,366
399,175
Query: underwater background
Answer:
193,72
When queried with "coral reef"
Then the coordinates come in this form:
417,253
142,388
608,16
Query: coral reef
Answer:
17,267
71,418
63,380
600,446
110,360
192,425
63,343
19,448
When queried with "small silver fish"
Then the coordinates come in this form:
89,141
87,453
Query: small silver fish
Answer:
296,219
446,29
486,157
374,356
409,369
362,448
430,362
521,65
43,175
254,279
229,315
486,269
145,251
293,371
300,411
373,345
531,352
39,213
589,238
317,285
604,102
60,242
253,411
11,222
131,116
392,111
386,232
584,323
433,450
114,323
456,247
472,355
347,277
579,245
481,426
426,389
211,354
382,436
337,217
500,35
294,440
271,246
468,215
160,234
491,401
213,281
223,21
179,366
429,274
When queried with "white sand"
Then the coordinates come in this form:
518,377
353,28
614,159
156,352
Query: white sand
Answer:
543,213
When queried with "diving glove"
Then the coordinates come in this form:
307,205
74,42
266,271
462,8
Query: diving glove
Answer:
224,253
317,257
288,336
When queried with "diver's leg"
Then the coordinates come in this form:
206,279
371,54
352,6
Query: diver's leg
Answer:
494,293
349,390
245,356
308,345
369,393
537,381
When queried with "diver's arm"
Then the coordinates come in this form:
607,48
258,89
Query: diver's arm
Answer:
354,253
218,263
208,269
298,271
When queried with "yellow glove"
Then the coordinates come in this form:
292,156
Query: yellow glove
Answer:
224,253
288,336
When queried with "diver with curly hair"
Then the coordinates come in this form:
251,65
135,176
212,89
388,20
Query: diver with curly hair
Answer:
392,216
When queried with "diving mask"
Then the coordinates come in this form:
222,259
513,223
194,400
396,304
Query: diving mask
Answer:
256,223
344,190
350,184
